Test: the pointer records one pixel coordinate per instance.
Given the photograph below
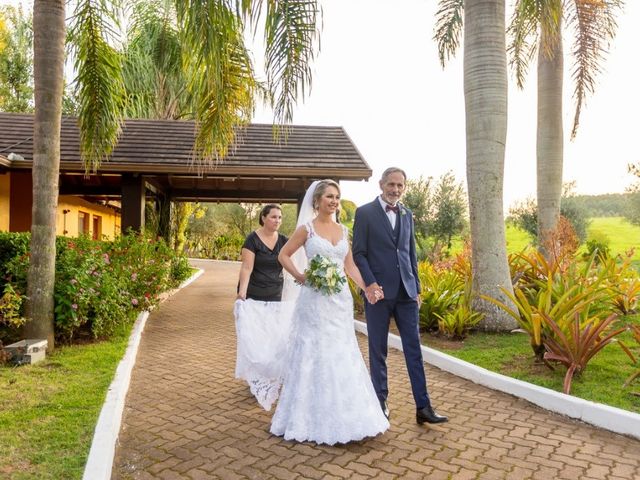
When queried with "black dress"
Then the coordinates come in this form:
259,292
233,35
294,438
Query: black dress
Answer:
265,282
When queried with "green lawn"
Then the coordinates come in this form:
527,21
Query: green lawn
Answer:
622,235
48,411
510,354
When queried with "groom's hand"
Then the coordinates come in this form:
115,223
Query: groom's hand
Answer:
374,293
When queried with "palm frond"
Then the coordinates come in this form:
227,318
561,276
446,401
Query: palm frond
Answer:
99,83
291,33
222,80
523,35
448,29
595,26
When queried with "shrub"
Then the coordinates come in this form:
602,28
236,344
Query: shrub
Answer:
102,285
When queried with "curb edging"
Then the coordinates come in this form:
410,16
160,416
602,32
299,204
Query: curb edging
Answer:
103,446
609,418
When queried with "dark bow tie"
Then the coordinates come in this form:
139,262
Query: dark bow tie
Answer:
391,208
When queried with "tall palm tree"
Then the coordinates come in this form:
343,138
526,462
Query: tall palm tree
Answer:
221,83
537,24
48,48
485,91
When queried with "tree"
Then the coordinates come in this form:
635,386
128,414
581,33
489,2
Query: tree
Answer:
633,211
439,212
222,85
419,198
48,52
16,60
485,93
538,24
451,209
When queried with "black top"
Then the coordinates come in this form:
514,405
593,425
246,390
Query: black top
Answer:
265,282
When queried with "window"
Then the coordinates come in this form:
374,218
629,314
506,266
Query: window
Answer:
97,227
83,223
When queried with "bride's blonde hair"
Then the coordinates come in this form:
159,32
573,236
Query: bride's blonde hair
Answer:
321,188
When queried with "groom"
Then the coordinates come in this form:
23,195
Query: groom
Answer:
384,250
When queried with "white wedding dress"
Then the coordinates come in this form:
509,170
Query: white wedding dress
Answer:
327,395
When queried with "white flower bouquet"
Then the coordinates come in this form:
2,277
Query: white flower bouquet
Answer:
324,275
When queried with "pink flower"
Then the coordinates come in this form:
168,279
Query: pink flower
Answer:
134,276
106,258
134,302
73,281
74,306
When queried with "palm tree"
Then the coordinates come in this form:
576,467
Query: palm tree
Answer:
538,24
221,84
48,48
485,91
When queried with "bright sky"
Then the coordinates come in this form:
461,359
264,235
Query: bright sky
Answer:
378,76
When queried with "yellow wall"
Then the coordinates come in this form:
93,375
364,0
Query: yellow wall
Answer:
4,202
68,223
15,210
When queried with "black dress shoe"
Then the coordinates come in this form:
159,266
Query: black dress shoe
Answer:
385,408
427,415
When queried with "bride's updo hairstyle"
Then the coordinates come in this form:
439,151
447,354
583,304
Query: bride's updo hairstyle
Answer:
319,191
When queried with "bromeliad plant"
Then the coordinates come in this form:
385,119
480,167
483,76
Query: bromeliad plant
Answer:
577,347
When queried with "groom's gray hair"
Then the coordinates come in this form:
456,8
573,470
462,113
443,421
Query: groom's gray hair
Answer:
391,170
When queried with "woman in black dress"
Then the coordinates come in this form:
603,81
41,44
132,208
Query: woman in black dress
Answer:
262,326
261,273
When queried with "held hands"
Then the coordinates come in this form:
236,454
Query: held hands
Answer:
373,293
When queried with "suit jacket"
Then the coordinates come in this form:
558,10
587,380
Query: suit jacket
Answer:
377,255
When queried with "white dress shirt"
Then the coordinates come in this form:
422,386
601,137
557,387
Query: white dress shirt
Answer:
391,215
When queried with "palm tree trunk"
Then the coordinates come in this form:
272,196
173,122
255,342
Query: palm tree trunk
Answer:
549,146
485,91
48,50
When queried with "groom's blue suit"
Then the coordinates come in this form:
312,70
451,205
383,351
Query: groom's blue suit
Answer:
387,256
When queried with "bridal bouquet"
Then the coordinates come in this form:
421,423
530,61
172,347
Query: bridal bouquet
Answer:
324,275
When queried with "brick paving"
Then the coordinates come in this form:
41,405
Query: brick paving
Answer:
186,417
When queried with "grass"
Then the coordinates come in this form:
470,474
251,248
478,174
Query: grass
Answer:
622,235
48,411
510,354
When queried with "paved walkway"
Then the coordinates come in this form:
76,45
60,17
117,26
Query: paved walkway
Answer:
186,417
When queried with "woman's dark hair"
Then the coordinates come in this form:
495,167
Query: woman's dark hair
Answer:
266,210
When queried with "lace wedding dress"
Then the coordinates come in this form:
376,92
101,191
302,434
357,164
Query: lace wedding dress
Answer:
262,330
327,395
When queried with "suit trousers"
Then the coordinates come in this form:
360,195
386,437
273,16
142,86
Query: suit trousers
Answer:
404,310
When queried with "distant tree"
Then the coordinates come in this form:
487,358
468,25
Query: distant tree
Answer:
439,211
450,203
633,211
525,214
349,209
418,198
16,60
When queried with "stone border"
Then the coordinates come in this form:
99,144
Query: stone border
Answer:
609,418
103,446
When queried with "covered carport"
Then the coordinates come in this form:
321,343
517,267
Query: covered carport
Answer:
154,160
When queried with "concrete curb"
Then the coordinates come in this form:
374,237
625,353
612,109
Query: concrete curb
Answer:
609,418
103,446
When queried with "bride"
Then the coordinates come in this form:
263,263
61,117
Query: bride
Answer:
327,395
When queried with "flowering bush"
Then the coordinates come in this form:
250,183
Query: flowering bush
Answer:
101,285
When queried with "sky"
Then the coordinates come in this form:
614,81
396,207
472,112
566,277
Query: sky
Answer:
378,76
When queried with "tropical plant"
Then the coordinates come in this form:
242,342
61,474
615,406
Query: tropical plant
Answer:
16,60
442,290
222,86
48,63
538,25
457,323
577,347
485,92
635,331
